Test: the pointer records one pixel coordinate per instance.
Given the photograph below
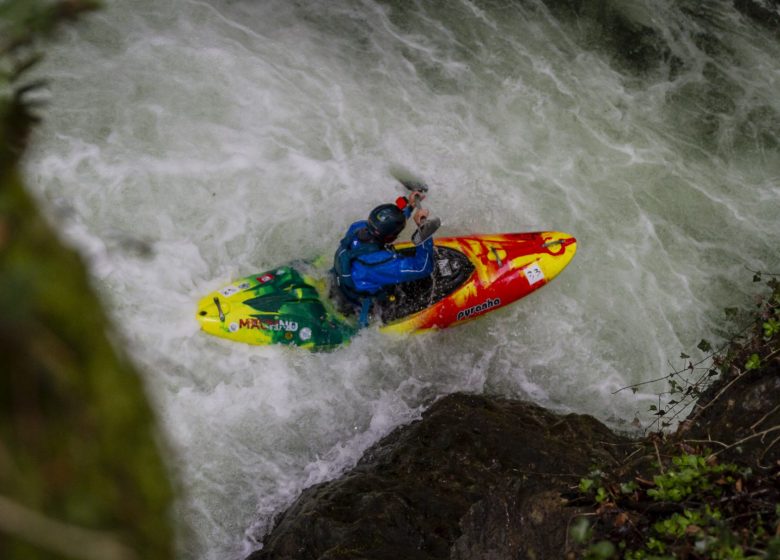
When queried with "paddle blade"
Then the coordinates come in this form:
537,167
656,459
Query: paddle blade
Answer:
408,179
426,230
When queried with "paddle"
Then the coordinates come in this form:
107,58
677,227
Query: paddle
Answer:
413,184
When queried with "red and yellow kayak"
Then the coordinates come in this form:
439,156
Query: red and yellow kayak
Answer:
506,267
473,275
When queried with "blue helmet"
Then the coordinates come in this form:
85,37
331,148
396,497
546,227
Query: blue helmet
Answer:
386,222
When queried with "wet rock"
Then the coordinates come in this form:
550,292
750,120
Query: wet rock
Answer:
490,478
475,478
764,12
518,521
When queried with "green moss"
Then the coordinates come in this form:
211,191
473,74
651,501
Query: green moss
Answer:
81,473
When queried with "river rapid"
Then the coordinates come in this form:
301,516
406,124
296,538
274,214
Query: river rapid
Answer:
187,143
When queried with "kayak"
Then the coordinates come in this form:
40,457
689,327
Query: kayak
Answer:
473,275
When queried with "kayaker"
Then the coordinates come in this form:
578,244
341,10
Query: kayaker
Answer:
365,262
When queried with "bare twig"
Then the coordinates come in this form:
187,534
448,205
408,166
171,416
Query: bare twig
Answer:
764,417
761,273
706,441
658,454
743,440
720,393
768,447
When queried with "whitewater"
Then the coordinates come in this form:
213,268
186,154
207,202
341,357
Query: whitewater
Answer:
188,143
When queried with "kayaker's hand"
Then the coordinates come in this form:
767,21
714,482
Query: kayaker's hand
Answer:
415,198
420,216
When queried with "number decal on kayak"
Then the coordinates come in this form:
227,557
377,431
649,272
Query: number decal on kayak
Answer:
533,273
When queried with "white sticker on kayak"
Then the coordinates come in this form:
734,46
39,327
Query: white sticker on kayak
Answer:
533,273
228,291
305,333
444,267
233,327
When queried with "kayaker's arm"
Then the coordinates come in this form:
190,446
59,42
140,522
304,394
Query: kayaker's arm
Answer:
420,216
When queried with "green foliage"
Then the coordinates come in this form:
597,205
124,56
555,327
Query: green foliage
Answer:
22,21
693,476
654,545
654,550
22,24
586,484
602,550
593,486
580,530
703,509
709,498
81,475
773,549
679,525
771,328
754,362
690,473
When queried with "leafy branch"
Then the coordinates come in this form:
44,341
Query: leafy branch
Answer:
752,346
22,24
696,507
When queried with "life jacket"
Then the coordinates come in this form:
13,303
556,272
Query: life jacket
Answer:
346,254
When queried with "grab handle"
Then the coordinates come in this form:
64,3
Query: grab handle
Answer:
219,309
